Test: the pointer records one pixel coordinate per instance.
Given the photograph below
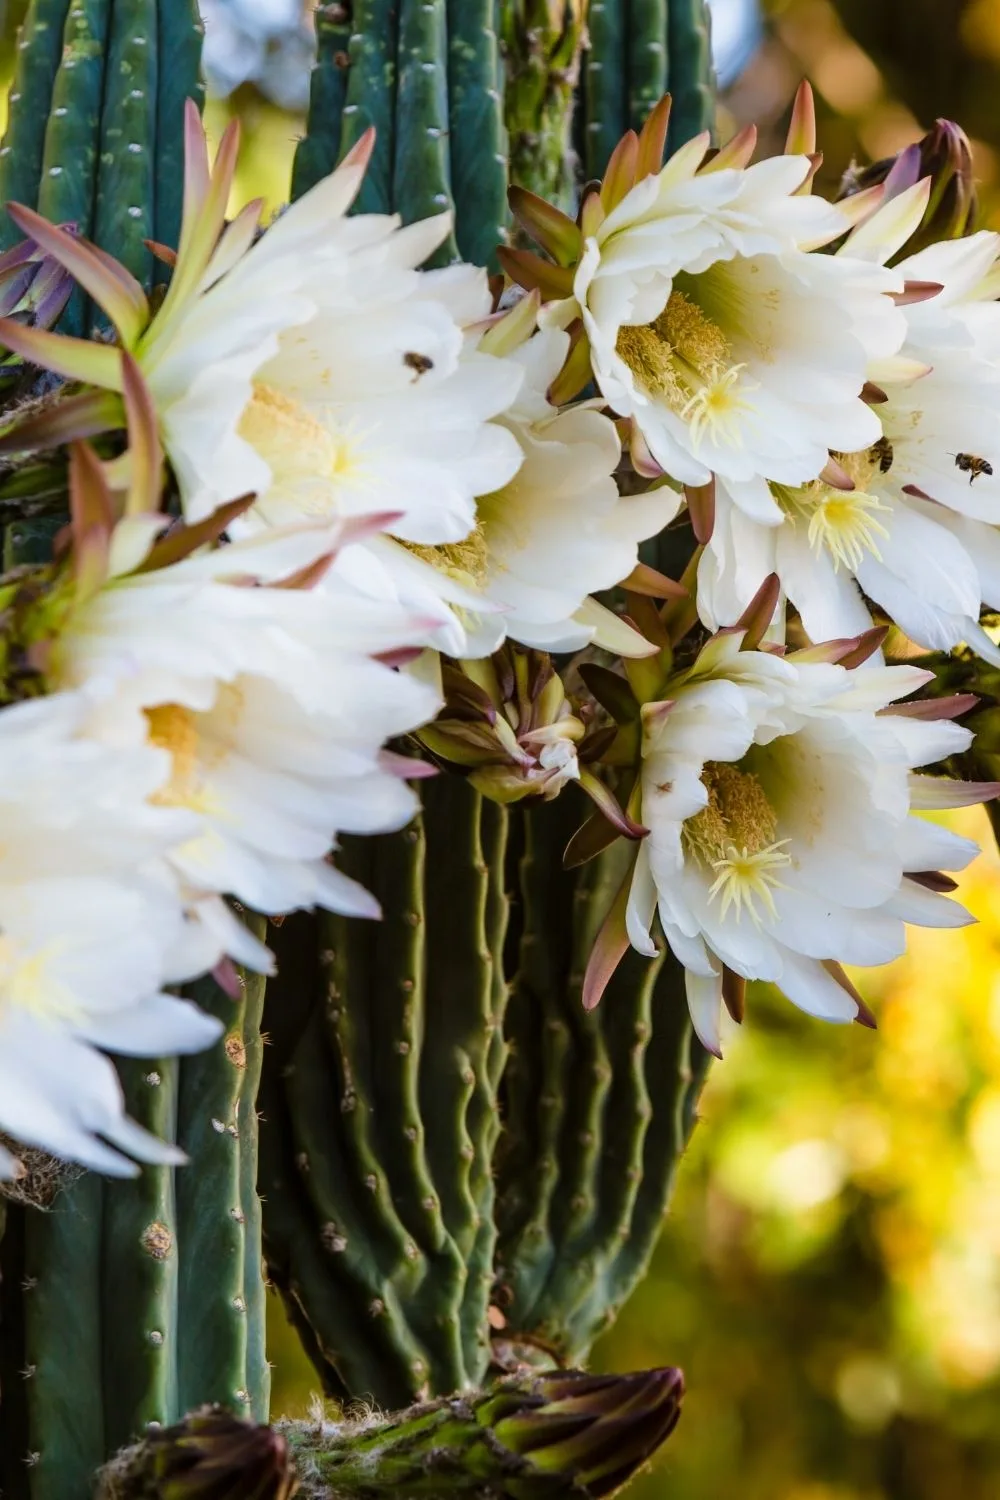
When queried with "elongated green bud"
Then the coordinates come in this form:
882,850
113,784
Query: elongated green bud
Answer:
528,1438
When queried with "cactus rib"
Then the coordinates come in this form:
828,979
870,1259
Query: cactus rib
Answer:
605,88
139,1270
179,38
371,98
420,171
211,1309
69,167
39,48
476,140
691,78
647,58
126,187
62,1299
258,1370
316,153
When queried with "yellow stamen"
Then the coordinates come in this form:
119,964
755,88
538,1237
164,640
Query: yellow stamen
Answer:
467,560
686,358
841,522
305,457
734,835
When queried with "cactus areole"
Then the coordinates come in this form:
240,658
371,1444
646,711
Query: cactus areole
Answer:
450,1171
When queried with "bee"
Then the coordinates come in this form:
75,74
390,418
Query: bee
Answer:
882,450
418,363
971,465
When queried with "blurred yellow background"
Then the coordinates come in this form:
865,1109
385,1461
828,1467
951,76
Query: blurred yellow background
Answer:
830,1275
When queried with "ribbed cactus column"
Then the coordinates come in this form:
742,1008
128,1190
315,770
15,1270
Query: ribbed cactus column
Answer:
126,1302
426,74
380,1108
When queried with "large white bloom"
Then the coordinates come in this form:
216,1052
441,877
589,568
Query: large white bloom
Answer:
779,797
543,543
88,934
270,706
914,533
733,347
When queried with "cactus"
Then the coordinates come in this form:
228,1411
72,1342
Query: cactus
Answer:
463,1173
427,76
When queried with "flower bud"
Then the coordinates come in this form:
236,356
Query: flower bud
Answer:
507,720
944,155
209,1456
34,287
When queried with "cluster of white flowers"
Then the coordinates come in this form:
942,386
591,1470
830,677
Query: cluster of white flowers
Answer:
375,465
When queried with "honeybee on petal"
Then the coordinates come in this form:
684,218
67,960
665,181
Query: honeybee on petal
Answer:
971,464
882,450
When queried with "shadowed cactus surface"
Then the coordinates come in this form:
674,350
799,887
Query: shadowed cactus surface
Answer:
463,1174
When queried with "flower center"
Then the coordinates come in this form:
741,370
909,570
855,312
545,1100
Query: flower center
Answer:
733,834
305,457
685,357
843,523
174,729
28,982
467,561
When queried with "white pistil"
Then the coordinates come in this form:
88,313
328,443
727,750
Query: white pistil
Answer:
743,879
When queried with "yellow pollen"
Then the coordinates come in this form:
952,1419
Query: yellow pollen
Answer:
304,456
467,560
174,729
686,358
734,836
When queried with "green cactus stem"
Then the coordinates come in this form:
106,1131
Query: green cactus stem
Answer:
179,36
371,98
597,1107
647,39
638,51
126,179
39,49
319,149
139,1270
542,46
211,1303
477,142
425,74
63,1334
258,1369
421,169
690,78
381,1137
72,136
606,83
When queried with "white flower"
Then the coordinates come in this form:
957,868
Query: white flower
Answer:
556,533
913,534
778,795
267,708
88,933
733,347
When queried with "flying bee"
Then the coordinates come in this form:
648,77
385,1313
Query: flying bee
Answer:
882,450
418,363
970,464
